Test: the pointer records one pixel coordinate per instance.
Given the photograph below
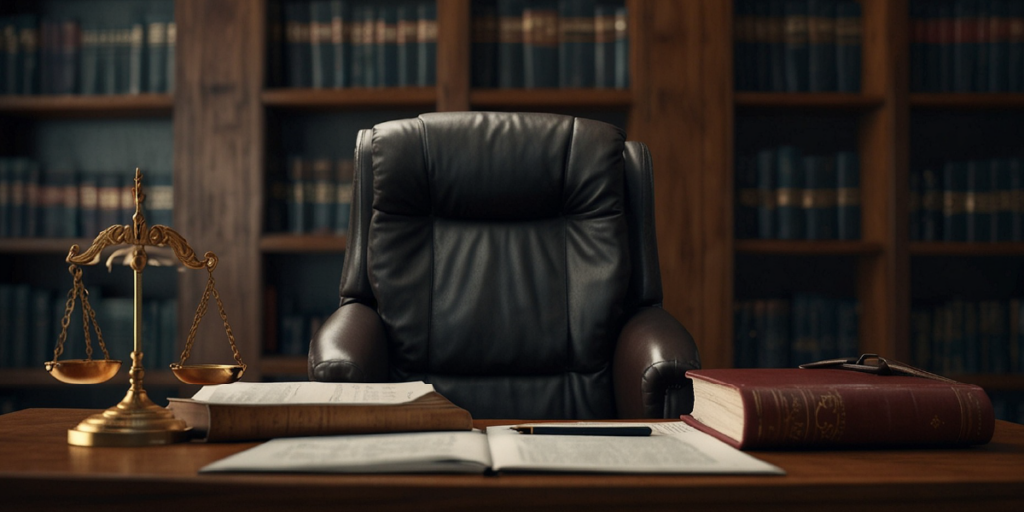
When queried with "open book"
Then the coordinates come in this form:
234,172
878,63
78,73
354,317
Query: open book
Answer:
246,411
673,447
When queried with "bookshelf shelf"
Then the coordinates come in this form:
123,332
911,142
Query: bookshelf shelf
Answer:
80,106
298,244
40,245
349,98
282,365
994,382
821,100
966,249
38,378
970,101
808,248
551,98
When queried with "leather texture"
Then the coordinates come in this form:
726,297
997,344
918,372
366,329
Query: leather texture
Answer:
502,255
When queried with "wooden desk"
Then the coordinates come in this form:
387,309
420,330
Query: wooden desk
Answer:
39,471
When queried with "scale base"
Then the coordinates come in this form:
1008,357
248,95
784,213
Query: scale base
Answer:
136,421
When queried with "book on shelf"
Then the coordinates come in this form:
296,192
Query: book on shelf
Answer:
407,45
672,448
777,332
968,337
576,38
540,45
426,37
798,408
244,411
973,201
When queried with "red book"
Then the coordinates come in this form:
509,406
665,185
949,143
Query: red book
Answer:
826,408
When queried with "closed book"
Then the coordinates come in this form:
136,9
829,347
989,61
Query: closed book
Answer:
20,333
931,206
604,47
849,36
766,200
43,334
408,46
6,323
16,206
954,202
821,30
5,197
107,61
622,70
847,317
426,35
343,204
356,51
965,45
159,202
776,45
33,183
918,45
789,178
341,40
819,197
982,42
1002,194
1015,47
137,72
324,196
89,69
108,188
297,48
774,352
28,39
321,50
298,174
848,203
746,197
172,44
9,70
124,54
576,43
89,205
746,335
914,204
50,200
540,45
762,46
510,43
944,22
806,330
827,408
1017,199
218,422
979,202
998,43
386,41
68,209
369,46
275,43
744,46
70,46
484,43
796,45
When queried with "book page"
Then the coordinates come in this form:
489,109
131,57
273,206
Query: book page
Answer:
674,447
276,393
434,452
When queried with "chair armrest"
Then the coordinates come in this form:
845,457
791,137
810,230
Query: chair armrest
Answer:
653,353
350,347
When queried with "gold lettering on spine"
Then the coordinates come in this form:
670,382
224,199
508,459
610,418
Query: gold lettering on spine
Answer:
830,416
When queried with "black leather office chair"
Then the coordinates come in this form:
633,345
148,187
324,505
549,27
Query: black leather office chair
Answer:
510,260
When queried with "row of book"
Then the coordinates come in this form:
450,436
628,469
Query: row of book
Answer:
30,318
967,46
311,195
786,195
968,201
1008,407
961,337
336,43
568,43
62,56
785,332
58,203
798,45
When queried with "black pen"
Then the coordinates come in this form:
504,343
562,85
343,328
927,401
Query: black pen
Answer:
583,431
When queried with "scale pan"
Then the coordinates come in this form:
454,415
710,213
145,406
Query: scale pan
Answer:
206,374
83,371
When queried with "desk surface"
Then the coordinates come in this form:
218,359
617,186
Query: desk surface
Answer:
39,471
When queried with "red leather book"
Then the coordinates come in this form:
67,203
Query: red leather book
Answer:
826,408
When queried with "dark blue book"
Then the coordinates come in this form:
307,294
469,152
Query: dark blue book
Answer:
931,206
540,45
43,333
1015,46
746,197
998,43
789,177
918,45
766,201
28,37
622,72
847,339
849,36
805,329
427,37
321,48
510,43
821,23
408,57
341,35
123,55
920,336
828,341
172,44
89,68
954,201
946,68
6,324
970,349
965,45
108,188
847,196
762,26
776,44
576,43
275,44
1017,186
819,205
5,197
776,336
343,204
982,42
357,49
297,48
386,41
978,201
484,43
325,196
168,332
297,202
10,62
106,64
159,199
16,206
745,335
369,46
998,333
795,38
1002,192
604,46
744,40
20,333
915,205
33,184
137,69
89,204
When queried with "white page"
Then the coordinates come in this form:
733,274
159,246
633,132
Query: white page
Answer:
434,452
269,393
674,447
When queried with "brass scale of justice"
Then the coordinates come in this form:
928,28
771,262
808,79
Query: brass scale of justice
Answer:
136,420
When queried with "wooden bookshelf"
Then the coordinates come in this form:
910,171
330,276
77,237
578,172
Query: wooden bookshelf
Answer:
355,98
967,101
966,249
41,245
96,107
551,98
300,244
809,248
817,101
277,366
39,378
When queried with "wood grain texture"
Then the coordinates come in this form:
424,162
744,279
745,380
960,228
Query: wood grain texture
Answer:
815,101
453,42
302,244
356,98
81,106
38,470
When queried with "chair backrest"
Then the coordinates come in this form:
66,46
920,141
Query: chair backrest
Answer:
502,252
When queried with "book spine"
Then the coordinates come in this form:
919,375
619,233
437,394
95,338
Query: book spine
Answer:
321,50
297,222
985,202
622,72
918,45
20,333
42,330
804,347
70,46
931,206
5,197
1002,200
172,44
849,35
954,202
743,49
408,55
847,335
32,187
369,46
510,43
106,79
776,44
29,39
575,43
746,197
604,47
7,324
788,193
325,196
745,335
1017,198
1015,47
11,53
296,20
946,43
275,43
426,34
484,49
821,30
108,190
766,198
160,199
965,36
16,201
776,339
89,204
540,46
136,60
341,41
344,179
998,42
156,47
981,45
848,209
386,40
811,199
89,70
